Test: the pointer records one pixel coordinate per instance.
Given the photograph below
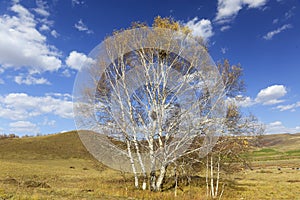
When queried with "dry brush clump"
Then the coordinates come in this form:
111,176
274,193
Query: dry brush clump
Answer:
7,136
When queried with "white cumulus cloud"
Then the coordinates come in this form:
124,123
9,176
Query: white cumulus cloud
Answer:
201,28
267,96
228,9
21,106
76,60
22,45
271,95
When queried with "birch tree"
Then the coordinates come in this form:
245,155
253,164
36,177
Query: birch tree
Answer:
239,134
139,106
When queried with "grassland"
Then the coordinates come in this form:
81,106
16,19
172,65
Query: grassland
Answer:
58,167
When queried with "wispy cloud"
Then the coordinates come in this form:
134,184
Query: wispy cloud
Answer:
77,2
48,122
23,127
275,21
278,127
80,26
42,15
225,28
291,107
42,8
224,50
271,34
54,33
31,80
290,13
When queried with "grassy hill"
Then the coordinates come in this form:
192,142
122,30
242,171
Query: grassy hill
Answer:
277,147
68,145
62,145
281,141
59,167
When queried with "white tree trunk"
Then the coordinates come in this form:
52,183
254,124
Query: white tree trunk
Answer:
136,179
212,190
144,186
206,177
218,175
161,177
152,165
176,181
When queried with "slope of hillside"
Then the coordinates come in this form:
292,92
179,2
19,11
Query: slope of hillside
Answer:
62,145
281,141
68,145
277,148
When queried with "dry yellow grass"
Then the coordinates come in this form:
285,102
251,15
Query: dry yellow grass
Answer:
32,168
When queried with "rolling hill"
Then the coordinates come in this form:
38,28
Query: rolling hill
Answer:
68,145
281,141
57,146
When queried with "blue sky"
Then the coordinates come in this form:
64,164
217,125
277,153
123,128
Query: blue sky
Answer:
43,44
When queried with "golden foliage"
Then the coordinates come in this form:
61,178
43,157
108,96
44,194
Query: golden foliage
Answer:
231,75
162,22
166,22
233,113
170,23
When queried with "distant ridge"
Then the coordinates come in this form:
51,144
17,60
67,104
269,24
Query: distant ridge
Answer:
281,141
